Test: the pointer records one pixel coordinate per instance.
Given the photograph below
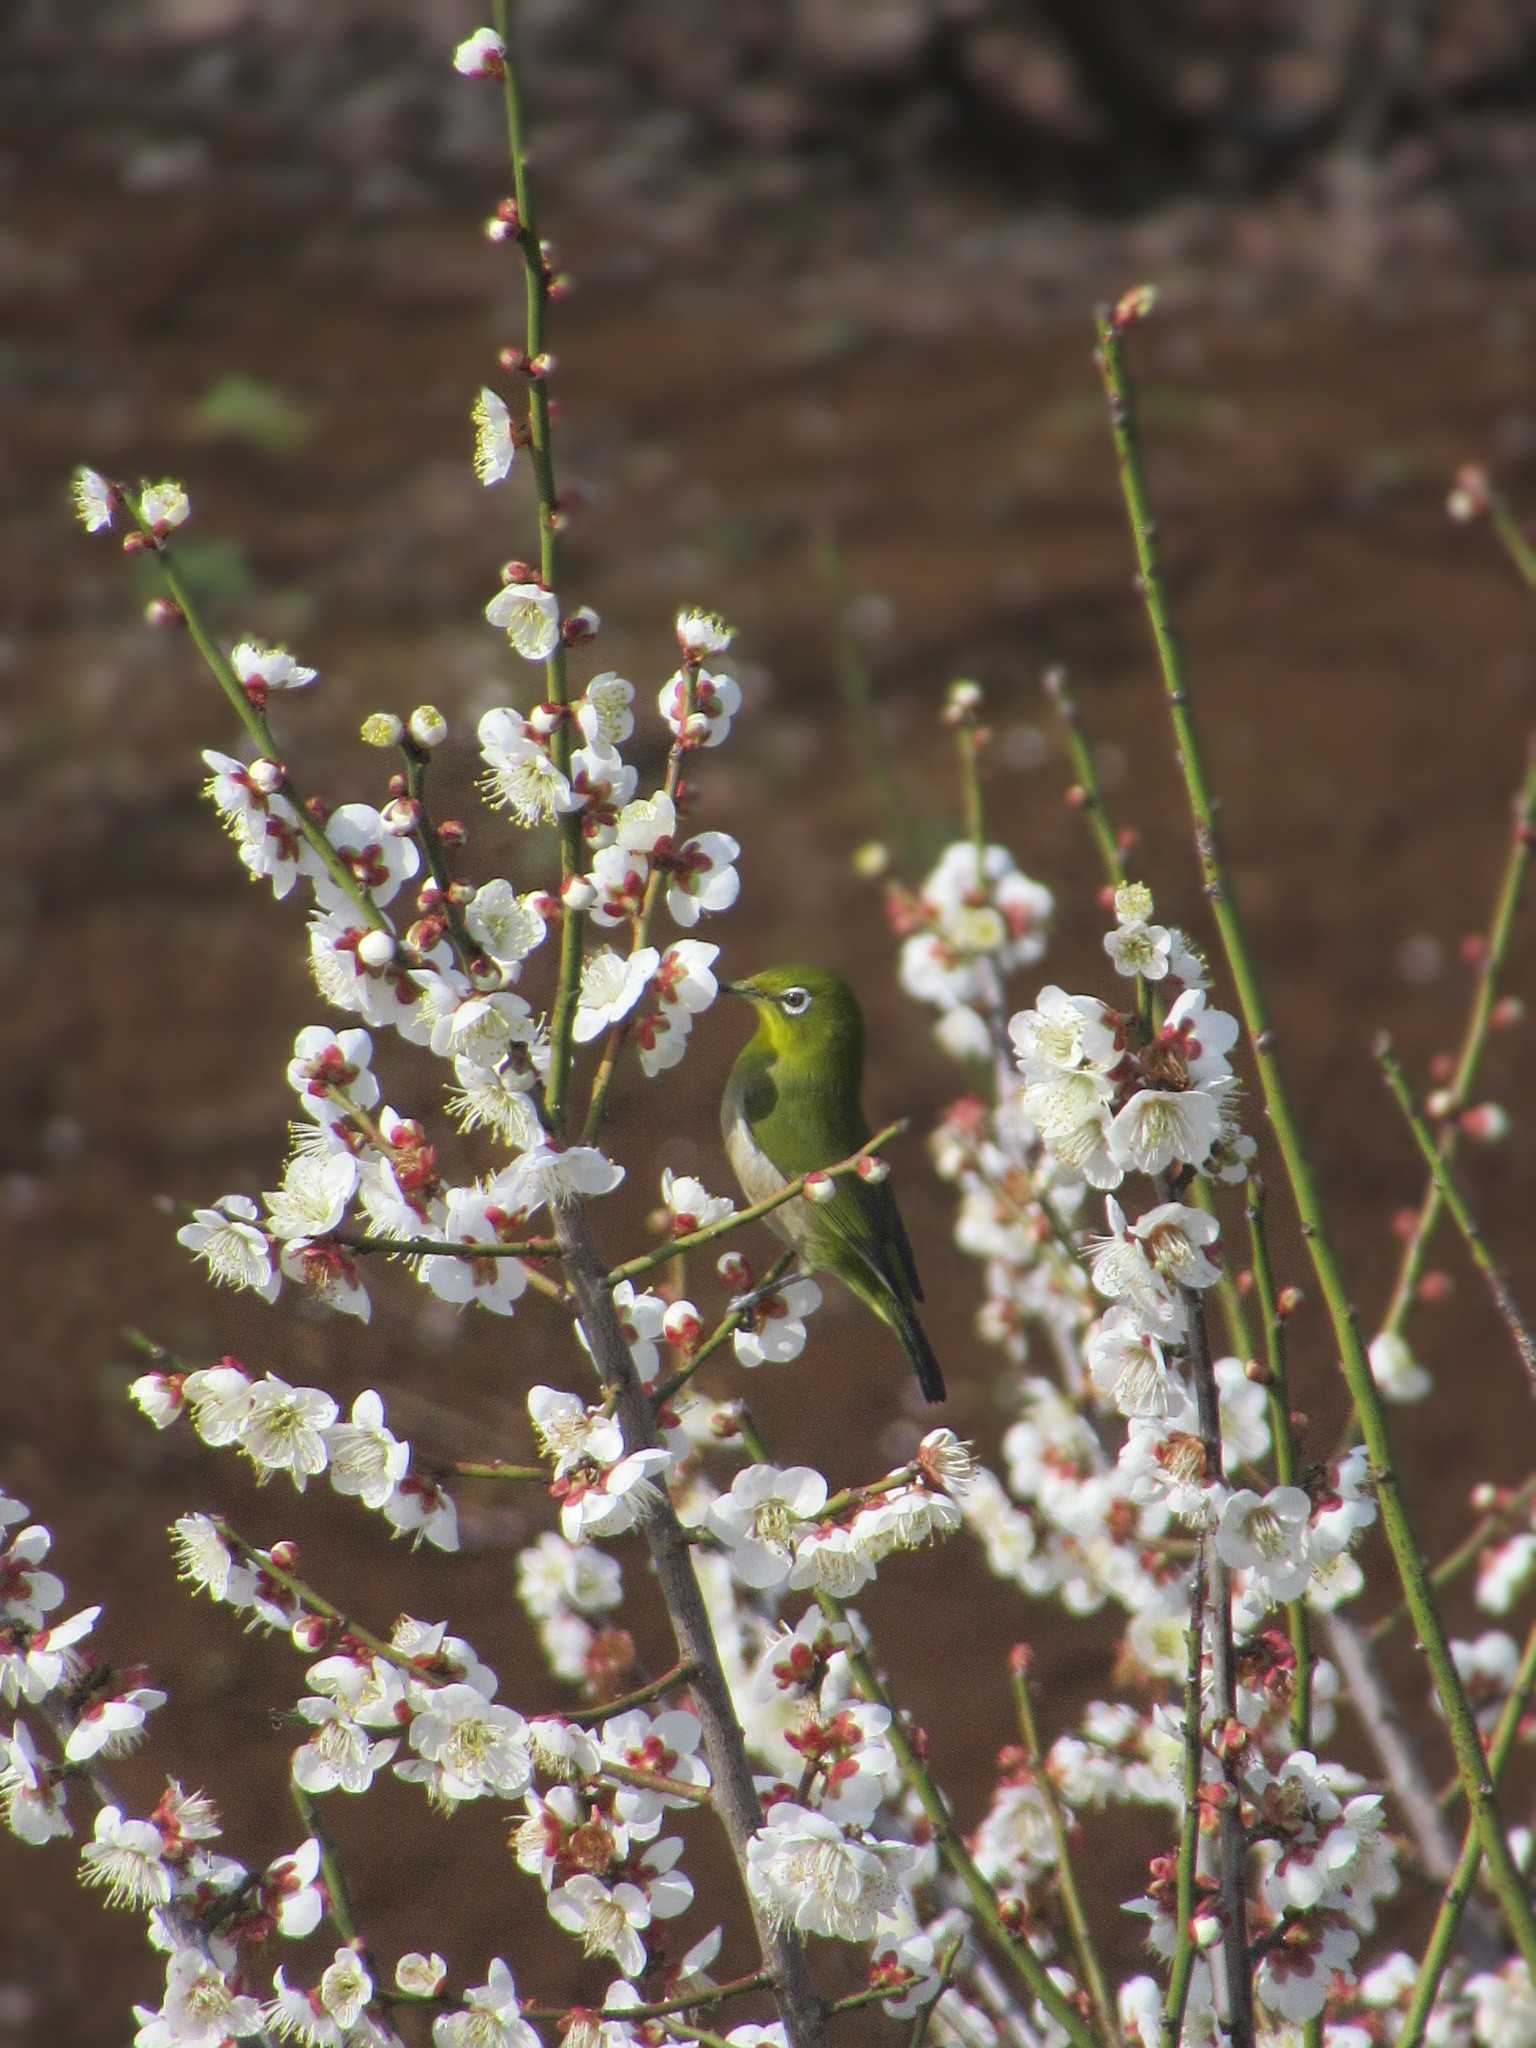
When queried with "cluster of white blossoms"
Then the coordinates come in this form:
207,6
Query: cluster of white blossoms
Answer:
298,1431
976,919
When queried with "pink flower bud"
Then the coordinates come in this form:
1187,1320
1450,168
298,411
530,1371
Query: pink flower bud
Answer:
1487,1122
376,948
873,1169
577,893
267,776
681,1325
820,1187
545,718
401,817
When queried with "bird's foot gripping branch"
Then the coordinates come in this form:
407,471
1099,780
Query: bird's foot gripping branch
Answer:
1155,1486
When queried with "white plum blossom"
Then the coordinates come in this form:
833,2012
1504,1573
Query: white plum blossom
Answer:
285,1429
772,1332
551,1173
205,1559
702,876
421,1976
495,443
259,669
619,1498
603,711
832,1560
1395,1369
506,925
262,822
481,55
94,498
467,1748
32,1793
490,2018
607,1921
700,633
379,860
520,774
475,1215
804,1872
762,1516
1267,1535
571,1433
199,2009
34,1665
706,721
1126,1363
611,985
690,1204
1063,1033
367,1459
327,1064
127,1859
421,1509
529,615
163,505
341,1756
314,1195
232,1246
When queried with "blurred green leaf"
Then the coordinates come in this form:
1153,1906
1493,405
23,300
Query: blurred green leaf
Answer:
264,416
215,570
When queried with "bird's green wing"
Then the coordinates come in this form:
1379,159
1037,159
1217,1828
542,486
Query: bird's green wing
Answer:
803,1125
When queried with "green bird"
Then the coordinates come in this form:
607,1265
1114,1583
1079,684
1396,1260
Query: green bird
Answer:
791,1106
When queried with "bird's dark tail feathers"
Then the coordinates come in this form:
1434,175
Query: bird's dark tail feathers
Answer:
914,1341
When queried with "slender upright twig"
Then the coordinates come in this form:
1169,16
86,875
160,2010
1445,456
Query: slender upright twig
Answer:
1471,1763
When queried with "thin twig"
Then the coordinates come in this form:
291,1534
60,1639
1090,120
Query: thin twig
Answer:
1461,1215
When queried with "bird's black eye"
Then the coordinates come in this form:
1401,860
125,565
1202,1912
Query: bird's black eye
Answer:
795,1001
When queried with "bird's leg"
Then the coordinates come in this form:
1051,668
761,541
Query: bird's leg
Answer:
739,1304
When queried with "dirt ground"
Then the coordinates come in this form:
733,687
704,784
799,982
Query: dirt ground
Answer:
922,394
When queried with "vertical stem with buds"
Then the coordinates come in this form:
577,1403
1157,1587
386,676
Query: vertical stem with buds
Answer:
1471,1763
537,280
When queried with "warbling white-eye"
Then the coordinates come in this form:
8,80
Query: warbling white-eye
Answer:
791,1106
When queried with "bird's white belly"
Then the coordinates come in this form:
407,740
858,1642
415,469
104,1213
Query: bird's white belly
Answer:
760,1181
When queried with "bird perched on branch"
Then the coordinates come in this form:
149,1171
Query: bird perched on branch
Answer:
791,1106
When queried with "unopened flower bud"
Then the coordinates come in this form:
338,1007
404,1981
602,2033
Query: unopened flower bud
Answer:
453,832
428,727
461,893
1435,1287
1257,1372
561,286
497,230
311,1632
820,1187
284,1554
507,211
425,933
734,1271
696,727
540,366
518,572
376,948
160,611
1484,1498
577,893
724,1423
511,360
1472,949
964,694
545,718
401,817
1134,305
681,1325
267,776
1507,1012
1205,1929
583,624
873,1169
1289,1300
1469,493
382,729
1440,1103
1487,1122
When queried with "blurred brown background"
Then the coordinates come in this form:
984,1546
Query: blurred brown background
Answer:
835,267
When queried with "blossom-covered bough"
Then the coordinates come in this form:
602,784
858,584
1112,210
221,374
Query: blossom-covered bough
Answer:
1099,1165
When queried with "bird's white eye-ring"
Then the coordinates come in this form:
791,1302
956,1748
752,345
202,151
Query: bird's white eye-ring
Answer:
795,1001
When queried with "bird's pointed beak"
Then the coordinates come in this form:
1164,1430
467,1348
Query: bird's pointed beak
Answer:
739,988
